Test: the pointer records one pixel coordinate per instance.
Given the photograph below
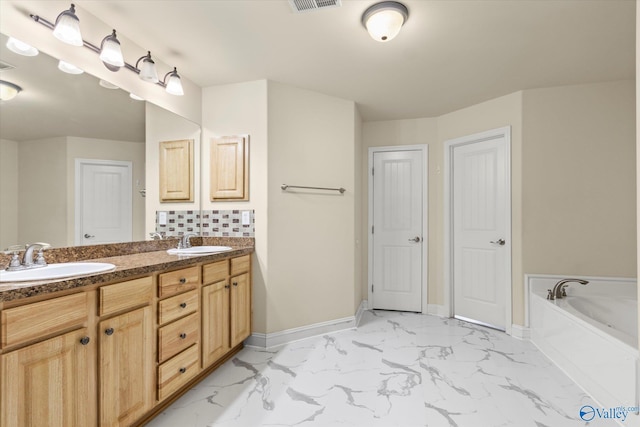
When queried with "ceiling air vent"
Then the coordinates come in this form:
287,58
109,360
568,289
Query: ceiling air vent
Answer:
309,5
4,66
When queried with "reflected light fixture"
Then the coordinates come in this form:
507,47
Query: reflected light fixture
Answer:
69,68
67,27
8,90
136,97
21,48
110,52
383,20
108,85
173,83
147,69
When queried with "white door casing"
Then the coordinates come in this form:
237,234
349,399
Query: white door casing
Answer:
397,228
103,201
478,229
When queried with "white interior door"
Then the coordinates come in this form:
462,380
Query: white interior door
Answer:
397,231
481,216
104,212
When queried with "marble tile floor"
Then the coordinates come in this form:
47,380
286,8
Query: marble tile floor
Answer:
395,370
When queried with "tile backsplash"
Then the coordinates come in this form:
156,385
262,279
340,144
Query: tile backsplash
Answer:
208,223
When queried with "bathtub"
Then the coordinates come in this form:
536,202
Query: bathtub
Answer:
592,335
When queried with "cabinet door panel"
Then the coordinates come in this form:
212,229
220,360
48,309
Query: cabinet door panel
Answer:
215,322
126,367
240,308
51,383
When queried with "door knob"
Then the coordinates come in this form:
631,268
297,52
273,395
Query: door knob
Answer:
88,236
416,239
500,242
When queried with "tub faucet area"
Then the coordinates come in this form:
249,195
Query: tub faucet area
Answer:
559,289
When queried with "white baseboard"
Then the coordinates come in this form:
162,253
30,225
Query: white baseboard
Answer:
520,332
296,334
437,310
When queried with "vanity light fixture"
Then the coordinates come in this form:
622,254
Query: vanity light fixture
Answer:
8,90
172,82
69,68
67,27
21,48
147,69
383,20
110,52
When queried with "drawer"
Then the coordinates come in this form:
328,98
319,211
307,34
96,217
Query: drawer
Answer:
33,321
176,372
125,295
241,264
175,307
215,272
176,336
178,281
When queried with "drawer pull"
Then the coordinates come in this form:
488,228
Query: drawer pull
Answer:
109,331
183,336
183,280
235,283
227,286
183,305
183,370
84,340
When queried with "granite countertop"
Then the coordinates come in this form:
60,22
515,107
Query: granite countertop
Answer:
128,266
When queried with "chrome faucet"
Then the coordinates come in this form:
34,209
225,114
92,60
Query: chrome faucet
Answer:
27,257
155,236
559,290
184,242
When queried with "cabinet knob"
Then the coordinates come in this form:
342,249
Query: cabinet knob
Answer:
235,283
183,336
183,305
183,370
84,340
109,331
183,280
227,286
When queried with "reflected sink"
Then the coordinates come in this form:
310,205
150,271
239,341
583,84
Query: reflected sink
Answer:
199,250
55,271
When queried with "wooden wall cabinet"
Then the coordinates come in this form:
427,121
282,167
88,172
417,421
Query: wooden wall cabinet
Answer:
176,171
230,168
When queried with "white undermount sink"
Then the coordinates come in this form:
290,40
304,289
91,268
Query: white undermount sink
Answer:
199,250
55,271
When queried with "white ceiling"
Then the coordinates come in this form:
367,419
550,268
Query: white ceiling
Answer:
449,55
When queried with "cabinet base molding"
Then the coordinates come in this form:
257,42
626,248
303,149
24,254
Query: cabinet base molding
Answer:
188,386
296,334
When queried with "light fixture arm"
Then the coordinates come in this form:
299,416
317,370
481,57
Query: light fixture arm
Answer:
147,56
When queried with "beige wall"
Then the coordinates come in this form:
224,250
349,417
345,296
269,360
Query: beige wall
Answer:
233,110
579,180
15,21
311,235
8,193
162,125
91,148
360,257
42,185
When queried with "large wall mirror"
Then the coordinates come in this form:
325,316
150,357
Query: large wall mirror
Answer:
75,153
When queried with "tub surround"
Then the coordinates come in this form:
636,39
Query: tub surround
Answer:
599,358
131,259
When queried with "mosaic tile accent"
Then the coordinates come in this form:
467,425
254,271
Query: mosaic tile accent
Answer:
218,223
178,223
208,223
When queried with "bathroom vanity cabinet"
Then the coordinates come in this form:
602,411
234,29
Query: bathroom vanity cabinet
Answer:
117,354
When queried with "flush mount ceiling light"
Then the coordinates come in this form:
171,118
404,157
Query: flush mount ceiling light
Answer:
173,83
21,48
110,52
384,20
147,69
67,27
69,68
8,90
